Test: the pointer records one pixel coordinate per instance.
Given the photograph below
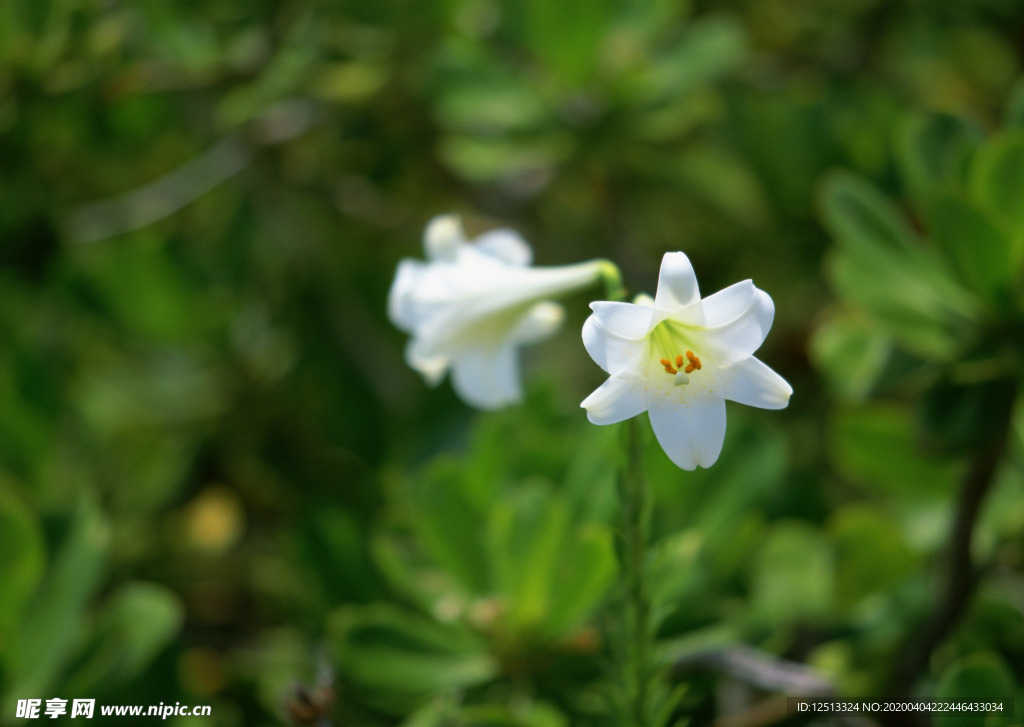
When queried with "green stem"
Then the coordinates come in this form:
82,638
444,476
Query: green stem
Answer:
636,612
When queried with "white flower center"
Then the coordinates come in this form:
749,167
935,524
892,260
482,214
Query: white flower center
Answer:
666,342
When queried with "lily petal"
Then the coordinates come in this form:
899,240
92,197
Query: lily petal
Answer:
753,383
740,337
401,309
625,320
691,430
430,366
443,238
677,283
487,378
612,353
728,304
506,245
541,322
617,399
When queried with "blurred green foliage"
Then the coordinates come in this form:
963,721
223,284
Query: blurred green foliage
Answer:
218,481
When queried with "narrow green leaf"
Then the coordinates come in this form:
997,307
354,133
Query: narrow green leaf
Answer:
851,354
710,49
134,625
566,35
933,151
22,559
449,525
584,574
884,267
387,648
54,627
526,535
979,252
997,187
861,216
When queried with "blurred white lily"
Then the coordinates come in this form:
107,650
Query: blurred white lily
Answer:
473,304
679,358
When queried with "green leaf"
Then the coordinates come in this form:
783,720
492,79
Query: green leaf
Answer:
53,629
526,536
448,523
331,541
384,647
139,284
566,35
586,570
933,151
858,215
22,559
851,354
883,267
979,677
871,554
489,159
135,624
491,105
978,251
282,77
876,447
1013,114
793,576
549,573
997,186
589,480
518,714
711,48
957,417
713,174
901,303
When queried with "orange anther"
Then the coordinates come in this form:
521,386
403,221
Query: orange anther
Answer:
665,362
669,369
689,368
679,361
690,356
696,362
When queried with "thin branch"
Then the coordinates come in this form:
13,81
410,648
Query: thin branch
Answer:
767,672
761,670
961,576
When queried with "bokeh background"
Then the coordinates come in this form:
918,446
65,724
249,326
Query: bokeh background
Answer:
220,484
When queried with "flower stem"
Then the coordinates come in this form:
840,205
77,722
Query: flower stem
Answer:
636,648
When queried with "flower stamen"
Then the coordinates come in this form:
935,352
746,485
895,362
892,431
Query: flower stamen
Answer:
693,365
683,365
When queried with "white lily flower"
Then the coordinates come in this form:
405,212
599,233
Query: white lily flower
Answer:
473,304
679,358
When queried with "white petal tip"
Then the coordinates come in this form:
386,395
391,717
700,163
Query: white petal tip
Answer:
443,236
